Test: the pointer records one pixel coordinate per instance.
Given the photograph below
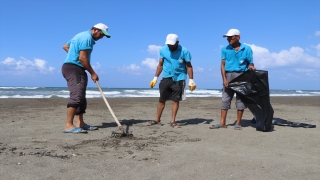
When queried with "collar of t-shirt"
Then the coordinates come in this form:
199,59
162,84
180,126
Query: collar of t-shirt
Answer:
240,48
178,49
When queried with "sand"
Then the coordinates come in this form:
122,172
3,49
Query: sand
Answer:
32,145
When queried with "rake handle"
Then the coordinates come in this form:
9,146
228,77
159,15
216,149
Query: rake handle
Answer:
105,100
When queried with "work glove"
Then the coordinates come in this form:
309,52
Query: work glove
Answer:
192,85
153,82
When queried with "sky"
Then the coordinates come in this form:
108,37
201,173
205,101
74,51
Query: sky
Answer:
283,34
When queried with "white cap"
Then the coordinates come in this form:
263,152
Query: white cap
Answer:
103,28
172,39
232,32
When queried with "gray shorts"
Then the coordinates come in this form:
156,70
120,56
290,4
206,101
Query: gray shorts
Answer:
77,80
170,90
227,94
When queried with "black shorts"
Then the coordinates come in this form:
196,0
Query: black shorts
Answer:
170,90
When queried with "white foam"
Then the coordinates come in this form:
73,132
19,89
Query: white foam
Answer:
19,87
63,96
39,92
112,92
92,92
128,91
148,92
64,91
34,96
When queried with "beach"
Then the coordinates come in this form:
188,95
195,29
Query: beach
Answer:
33,146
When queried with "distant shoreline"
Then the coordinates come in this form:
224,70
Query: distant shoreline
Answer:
63,92
155,88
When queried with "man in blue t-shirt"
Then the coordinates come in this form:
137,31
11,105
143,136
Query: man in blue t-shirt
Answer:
79,50
236,59
175,62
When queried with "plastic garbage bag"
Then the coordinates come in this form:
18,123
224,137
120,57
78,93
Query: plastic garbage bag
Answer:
283,122
253,89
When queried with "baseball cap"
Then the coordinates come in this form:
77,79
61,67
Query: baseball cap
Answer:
103,28
232,32
171,39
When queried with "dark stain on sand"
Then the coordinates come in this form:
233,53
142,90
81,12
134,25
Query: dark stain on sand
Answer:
121,148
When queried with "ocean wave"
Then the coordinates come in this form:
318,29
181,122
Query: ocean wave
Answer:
63,92
33,96
20,88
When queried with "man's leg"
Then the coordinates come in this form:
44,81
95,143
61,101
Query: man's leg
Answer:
175,108
239,117
77,79
68,72
81,110
83,125
223,117
164,94
226,99
177,90
80,122
240,108
71,111
160,109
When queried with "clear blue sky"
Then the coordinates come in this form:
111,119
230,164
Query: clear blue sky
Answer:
284,36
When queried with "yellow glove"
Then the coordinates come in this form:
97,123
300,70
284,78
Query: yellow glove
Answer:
192,85
153,82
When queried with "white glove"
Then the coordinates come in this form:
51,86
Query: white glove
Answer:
192,85
153,82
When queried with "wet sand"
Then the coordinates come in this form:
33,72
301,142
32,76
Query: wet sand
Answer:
32,145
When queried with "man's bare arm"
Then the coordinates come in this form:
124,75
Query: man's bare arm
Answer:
86,64
189,70
159,68
85,61
66,47
223,73
158,72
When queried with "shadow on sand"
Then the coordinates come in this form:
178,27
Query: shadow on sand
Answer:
130,122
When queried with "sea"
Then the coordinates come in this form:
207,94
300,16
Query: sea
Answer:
63,92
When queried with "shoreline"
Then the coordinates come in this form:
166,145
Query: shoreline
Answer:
53,92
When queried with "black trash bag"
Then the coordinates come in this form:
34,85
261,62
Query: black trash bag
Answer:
253,89
283,122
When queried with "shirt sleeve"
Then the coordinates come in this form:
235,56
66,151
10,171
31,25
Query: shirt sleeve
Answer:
223,54
250,56
85,44
187,56
161,54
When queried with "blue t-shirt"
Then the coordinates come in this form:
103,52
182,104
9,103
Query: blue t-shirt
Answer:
174,63
81,41
237,61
